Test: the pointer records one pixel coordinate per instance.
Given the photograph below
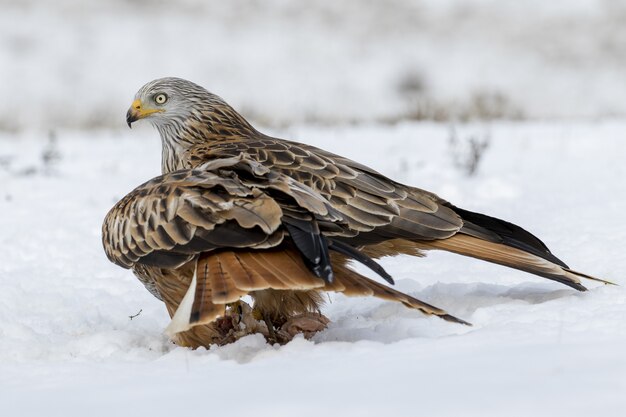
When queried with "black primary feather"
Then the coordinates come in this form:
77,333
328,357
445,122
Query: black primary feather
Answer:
312,246
509,233
353,253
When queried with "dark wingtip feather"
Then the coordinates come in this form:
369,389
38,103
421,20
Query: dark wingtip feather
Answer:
452,319
564,280
357,255
325,272
509,233
312,246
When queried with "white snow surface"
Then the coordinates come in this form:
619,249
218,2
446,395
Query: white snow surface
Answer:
74,63
69,347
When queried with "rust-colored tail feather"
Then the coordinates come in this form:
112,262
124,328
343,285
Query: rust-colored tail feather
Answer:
225,276
509,256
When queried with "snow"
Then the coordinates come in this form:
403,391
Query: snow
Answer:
77,63
69,347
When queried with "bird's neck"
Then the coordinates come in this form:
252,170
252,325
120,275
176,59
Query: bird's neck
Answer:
174,146
172,157
220,124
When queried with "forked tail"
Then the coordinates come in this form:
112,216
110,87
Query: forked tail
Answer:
512,257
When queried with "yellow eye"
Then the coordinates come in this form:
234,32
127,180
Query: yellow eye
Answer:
160,98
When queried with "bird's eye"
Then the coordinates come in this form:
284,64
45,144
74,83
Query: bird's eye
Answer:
160,98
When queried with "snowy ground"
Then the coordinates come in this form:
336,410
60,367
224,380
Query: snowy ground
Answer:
75,63
68,346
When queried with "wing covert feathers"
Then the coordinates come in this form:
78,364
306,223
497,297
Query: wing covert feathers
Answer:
230,203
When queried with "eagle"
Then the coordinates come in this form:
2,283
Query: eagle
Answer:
243,232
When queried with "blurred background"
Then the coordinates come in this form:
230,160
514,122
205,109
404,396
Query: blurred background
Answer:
76,64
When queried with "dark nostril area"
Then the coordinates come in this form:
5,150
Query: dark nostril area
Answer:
138,106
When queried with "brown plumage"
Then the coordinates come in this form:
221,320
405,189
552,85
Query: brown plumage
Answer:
237,212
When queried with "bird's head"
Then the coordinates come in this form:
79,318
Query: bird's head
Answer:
184,111
168,100
185,114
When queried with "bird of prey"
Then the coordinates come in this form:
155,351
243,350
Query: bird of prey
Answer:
236,213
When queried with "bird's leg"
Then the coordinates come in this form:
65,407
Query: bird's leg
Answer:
270,327
287,313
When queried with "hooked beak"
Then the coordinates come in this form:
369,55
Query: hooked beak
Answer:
137,111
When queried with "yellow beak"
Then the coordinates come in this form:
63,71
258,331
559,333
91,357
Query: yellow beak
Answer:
138,111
